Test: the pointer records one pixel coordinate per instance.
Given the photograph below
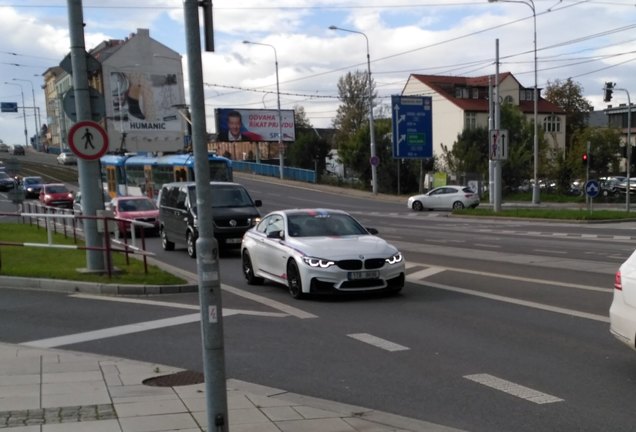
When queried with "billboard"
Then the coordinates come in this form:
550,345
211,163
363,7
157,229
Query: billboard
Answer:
253,125
145,102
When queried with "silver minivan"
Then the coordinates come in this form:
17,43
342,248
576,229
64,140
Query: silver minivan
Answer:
233,211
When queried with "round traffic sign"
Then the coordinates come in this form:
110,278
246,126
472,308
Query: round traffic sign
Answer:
88,140
374,161
592,188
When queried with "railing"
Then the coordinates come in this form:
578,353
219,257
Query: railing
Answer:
289,173
66,222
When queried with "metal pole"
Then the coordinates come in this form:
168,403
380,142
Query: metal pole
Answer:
89,171
280,117
206,245
497,163
374,160
26,133
35,116
536,190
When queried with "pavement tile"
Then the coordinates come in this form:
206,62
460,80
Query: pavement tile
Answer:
254,428
134,393
80,365
189,391
92,426
20,366
314,413
19,403
266,401
361,425
68,377
156,423
62,387
7,391
19,379
76,399
197,404
171,406
239,400
281,413
317,425
246,415
25,429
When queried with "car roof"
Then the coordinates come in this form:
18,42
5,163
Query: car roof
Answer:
311,211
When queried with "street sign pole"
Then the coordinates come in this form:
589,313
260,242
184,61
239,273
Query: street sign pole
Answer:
89,172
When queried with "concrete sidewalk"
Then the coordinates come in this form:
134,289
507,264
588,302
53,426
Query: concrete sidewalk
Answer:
64,391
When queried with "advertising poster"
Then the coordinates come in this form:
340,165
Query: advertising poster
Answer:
144,102
253,125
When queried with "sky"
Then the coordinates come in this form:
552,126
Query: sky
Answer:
591,42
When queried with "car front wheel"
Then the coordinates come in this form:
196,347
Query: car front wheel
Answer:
458,205
248,270
294,283
417,206
191,245
166,244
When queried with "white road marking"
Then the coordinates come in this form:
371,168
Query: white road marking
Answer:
226,311
520,278
377,342
486,245
513,389
549,251
290,310
535,305
422,274
113,331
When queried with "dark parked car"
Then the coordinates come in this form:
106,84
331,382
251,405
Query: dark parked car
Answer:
17,150
32,186
6,181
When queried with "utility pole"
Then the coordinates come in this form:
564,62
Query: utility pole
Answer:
206,245
89,171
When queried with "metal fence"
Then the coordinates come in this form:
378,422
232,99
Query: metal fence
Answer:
289,173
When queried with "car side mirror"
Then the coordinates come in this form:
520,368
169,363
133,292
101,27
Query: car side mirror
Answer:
258,203
373,231
276,234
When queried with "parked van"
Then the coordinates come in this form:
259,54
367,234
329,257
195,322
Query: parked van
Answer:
233,212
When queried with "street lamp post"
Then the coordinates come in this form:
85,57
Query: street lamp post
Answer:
535,190
26,133
374,160
35,114
280,117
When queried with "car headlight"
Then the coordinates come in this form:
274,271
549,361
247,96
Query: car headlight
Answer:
318,262
395,258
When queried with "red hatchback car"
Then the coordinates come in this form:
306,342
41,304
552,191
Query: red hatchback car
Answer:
137,208
56,195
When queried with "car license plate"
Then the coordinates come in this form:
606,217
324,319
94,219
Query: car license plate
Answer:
233,240
363,275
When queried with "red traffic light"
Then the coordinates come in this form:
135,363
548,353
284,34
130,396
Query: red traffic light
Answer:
584,157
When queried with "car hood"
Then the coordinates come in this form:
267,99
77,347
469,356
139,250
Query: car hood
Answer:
337,248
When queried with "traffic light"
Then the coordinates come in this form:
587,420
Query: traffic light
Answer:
609,89
585,159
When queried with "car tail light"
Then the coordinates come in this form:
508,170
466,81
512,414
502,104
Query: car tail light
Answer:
617,281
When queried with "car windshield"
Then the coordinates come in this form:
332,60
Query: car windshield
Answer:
230,196
56,189
323,225
135,205
4,175
32,180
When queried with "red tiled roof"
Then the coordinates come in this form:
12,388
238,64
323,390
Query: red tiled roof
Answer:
445,86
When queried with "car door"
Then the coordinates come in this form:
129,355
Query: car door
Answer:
270,249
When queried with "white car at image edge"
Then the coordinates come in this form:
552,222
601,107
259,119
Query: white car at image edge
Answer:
623,309
320,251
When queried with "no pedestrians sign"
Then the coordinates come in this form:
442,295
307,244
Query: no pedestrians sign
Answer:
88,140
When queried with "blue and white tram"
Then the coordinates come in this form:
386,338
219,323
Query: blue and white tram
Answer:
136,174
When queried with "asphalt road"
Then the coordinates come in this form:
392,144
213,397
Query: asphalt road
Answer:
502,325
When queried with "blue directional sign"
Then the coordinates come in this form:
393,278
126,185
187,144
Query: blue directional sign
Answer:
592,188
412,127
9,107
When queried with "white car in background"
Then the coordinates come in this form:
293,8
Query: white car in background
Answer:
67,158
320,251
623,309
444,198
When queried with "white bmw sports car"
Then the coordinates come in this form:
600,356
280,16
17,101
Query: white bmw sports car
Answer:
320,251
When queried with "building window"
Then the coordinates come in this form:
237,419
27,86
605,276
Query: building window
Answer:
552,124
475,93
461,92
508,100
470,120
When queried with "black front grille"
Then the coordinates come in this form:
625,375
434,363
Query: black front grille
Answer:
350,264
374,263
362,283
227,222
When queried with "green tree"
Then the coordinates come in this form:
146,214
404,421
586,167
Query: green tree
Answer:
605,151
353,112
309,150
569,96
